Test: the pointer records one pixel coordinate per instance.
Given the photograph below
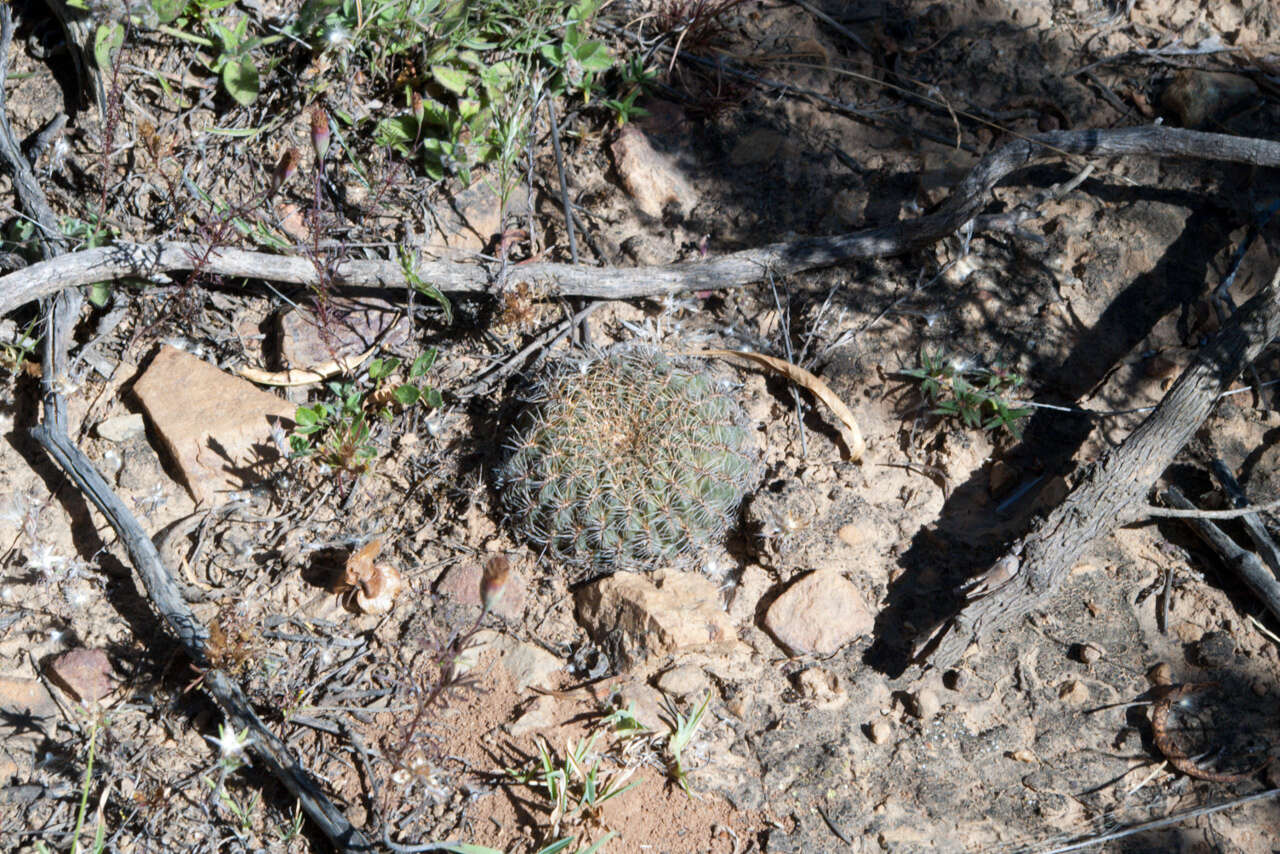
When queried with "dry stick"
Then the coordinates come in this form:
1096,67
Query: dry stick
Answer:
163,592
1252,524
1111,491
1245,564
738,268
61,314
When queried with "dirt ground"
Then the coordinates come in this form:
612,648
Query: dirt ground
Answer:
1034,740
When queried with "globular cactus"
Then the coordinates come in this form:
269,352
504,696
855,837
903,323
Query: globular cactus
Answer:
625,461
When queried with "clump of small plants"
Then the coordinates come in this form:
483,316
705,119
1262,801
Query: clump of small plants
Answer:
979,397
337,432
626,460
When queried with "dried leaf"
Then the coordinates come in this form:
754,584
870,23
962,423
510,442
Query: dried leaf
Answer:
360,565
821,390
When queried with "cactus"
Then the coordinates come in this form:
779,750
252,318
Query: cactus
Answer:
626,460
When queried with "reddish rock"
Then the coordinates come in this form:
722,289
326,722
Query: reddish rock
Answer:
216,427
818,614
461,582
85,673
652,179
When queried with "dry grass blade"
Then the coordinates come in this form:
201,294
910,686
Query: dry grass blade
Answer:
798,375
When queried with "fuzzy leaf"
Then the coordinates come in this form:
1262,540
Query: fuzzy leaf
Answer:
240,77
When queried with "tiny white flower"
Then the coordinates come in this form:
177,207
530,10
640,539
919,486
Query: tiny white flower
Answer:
230,744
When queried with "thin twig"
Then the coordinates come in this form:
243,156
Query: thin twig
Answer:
1175,513
583,332
732,270
1167,821
1253,526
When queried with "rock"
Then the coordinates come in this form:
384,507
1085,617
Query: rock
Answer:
216,427
880,731
530,666
1215,649
818,614
541,715
643,615
24,696
526,664
1197,96
852,535
349,329
121,428
85,673
684,682
461,582
476,216
822,687
924,703
1087,653
651,179
1160,674
645,702
1074,691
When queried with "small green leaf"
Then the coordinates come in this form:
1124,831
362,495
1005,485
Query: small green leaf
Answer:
168,10
466,848
306,417
240,77
106,41
99,294
397,131
453,79
594,56
407,394
423,363
432,398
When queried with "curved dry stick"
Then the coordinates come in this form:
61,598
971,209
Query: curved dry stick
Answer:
145,261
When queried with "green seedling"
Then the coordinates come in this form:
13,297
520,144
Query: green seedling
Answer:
683,729
557,847
978,397
576,786
337,433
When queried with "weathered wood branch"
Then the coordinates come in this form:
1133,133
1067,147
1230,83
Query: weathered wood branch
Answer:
1112,490
1245,564
146,261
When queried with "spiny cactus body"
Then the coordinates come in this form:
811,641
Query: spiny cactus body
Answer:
626,461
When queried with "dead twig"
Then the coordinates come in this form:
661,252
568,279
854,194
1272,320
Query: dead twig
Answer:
148,261
1244,564
1110,491
1262,541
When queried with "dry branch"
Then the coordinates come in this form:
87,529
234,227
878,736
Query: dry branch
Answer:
1112,490
148,261
1244,564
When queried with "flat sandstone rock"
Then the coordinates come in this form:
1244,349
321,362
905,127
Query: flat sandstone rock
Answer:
216,427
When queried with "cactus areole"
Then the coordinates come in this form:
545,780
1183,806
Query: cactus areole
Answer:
627,460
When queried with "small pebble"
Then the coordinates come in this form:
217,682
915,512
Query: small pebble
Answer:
1074,691
1160,674
1088,653
879,732
924,704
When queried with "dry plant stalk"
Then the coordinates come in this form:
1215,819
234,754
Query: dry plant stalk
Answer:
799,376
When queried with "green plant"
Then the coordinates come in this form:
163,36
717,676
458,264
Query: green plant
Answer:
576,786
976,396
626,460
100,831
683,729
337,432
